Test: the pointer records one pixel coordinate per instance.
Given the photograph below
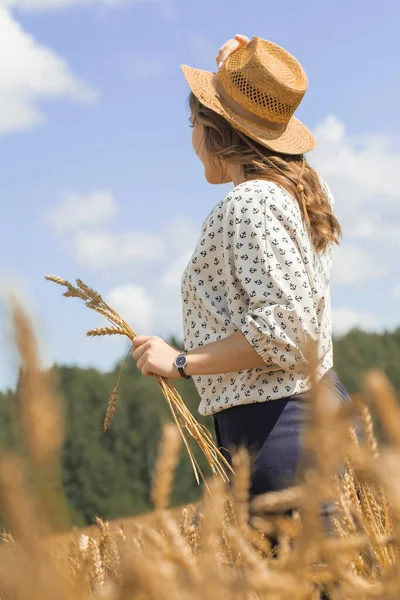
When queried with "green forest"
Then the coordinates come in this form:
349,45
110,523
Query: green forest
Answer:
109,474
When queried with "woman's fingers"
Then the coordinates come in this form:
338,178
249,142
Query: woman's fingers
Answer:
243,39
226,50
140,349
239,41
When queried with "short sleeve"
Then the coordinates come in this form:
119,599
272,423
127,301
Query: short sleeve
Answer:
266,258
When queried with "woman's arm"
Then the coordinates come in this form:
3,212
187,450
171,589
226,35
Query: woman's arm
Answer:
154,356
231,354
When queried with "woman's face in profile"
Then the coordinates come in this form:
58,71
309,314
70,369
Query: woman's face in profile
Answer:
214,171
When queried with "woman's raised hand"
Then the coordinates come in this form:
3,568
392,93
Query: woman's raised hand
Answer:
239,41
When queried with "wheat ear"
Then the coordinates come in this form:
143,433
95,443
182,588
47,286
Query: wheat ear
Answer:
181,414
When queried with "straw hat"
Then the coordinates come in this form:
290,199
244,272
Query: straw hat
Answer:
257,90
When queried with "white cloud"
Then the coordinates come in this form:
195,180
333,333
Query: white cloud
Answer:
165,6
171,278
155,313
78,211
344,319
37,5
362,173
396,291
135,306
29,73
164,300
351,265
379,229
360,167
181,233
100,250
168,319
180,237
84,223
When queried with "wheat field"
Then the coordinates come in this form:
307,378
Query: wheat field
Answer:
227,547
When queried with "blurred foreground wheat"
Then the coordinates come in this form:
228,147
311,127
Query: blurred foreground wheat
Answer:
228,547
182,415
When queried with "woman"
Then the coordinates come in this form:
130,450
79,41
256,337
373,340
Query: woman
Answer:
256,289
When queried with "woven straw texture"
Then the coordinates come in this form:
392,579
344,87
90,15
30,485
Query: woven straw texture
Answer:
266,81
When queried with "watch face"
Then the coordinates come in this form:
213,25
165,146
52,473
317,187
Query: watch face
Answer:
181,361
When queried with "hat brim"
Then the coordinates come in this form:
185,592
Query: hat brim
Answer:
295,139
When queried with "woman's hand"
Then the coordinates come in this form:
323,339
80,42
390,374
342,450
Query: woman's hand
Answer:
154,356
239,41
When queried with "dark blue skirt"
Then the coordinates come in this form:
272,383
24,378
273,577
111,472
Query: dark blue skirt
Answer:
271,431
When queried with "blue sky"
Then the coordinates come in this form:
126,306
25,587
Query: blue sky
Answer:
99,179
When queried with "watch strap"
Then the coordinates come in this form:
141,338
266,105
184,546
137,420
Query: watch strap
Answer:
181,369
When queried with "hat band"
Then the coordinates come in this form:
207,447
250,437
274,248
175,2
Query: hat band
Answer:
243,112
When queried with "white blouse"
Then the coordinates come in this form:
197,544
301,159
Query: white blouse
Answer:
255,269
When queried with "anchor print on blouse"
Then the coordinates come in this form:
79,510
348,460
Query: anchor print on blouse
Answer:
254,269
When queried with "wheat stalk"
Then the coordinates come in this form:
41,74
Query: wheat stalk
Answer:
181,414
165,466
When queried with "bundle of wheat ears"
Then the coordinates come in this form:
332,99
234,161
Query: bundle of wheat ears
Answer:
181,414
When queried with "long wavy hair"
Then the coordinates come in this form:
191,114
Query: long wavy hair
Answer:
223,142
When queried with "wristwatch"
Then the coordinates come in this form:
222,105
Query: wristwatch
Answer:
180,363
